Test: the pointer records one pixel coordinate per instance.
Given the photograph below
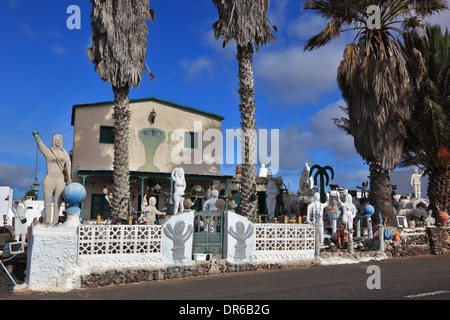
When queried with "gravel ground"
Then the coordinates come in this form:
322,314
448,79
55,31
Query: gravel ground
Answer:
18,263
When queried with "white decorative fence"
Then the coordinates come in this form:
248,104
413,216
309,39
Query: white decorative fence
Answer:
283,242
119,239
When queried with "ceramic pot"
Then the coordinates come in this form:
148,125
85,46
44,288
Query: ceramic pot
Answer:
442,217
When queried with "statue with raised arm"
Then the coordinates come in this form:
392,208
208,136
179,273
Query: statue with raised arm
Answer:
150,211
416,184
59,167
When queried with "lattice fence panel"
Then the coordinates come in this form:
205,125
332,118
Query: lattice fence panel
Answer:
284,237
119,239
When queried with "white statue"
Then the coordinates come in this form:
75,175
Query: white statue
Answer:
416,184
271,198
315,210
20,222
150,211
59,167
262,171
210,204
306,183
349,213
179,185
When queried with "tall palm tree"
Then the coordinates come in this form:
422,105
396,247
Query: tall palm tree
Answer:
246,22
427,143
374,80
119,48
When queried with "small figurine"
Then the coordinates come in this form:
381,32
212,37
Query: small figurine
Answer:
150,212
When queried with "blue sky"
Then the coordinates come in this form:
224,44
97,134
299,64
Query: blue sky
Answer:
45,70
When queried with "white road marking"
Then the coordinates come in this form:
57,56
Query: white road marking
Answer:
427,294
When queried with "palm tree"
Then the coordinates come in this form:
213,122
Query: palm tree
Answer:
427,143
374,80
246,22
119,48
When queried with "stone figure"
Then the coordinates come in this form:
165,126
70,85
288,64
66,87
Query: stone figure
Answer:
179,239
363,189
210,204
348,213
20,222
416,184
306,183
58,162
179,185
271,198
150,212
241,235
315,210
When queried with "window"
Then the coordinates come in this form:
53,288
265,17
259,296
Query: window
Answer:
99,206
191,140
106,135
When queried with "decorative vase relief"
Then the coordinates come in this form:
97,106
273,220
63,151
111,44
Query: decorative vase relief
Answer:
151,139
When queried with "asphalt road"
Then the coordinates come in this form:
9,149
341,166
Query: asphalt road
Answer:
391,279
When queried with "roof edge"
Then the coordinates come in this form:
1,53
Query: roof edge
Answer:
143,100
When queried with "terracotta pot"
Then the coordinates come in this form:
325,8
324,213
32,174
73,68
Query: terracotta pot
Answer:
442,217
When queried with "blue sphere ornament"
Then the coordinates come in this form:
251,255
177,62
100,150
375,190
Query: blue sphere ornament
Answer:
74,193
369,210
387,234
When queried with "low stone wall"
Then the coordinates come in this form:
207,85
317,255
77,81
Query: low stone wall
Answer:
419,241
199,269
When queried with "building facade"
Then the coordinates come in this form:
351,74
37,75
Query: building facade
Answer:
163,135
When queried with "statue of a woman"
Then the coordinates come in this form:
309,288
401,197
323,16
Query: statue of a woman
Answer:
59,167
180,186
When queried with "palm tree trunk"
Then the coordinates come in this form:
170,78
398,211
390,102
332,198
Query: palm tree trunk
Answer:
439,191
248,126
121,174
380,196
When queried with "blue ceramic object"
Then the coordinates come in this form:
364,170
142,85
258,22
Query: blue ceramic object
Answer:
369,210
74,193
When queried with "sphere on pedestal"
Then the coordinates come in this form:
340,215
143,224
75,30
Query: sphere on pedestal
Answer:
74,193
369,210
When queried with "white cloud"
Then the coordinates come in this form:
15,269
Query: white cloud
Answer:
58,50
16,176
322,143
296,77
198,68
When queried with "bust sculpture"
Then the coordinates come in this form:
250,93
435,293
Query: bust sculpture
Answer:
210,204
